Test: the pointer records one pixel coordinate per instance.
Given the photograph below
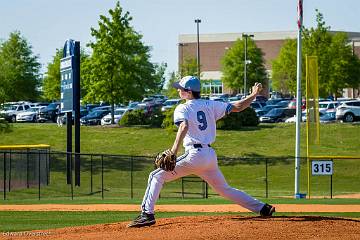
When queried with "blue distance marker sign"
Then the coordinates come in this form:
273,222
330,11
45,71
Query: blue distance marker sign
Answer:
66,75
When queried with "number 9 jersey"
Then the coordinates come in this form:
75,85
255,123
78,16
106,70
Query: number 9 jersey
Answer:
201,116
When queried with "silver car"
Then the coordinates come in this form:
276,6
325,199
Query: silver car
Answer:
348,111
29,116
118,113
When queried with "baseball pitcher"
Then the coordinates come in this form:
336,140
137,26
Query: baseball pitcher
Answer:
196,121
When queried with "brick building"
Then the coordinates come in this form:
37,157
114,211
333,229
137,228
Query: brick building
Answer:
214,46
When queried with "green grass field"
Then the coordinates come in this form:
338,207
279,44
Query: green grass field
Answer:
272,140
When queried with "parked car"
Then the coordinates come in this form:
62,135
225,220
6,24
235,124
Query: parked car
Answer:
62,118
274,101
159,99
118,113
170,103
30,115
90,106
348,111
234,99
293,118
49,113
278,115
283,103
260,98
217,98
220,97
327,117
132,105
292,104
262,111
10,111
149,101
106,107
240,95
38,104
257,105
93,118
327,106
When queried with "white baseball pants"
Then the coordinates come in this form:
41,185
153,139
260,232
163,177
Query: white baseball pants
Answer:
203,163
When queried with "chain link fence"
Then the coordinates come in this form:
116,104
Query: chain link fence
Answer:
42,174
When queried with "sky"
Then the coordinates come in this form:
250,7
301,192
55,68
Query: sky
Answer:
46,24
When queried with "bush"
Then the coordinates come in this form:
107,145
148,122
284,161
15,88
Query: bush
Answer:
168,122
135,117
235,121
4,126
139,117
156,118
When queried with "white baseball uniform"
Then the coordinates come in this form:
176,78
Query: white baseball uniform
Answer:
200,159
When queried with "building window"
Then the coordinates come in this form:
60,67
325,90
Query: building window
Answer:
212,87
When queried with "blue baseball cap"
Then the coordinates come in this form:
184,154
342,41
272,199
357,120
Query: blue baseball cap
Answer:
188,83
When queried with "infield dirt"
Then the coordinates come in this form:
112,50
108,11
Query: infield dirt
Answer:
217,228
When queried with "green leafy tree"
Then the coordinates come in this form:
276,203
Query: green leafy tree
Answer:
317,42
171,92
283,71
19,77
189,67
338,67
159,78
119,69
233,65
51,82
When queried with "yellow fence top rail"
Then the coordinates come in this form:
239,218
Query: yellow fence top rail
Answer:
334,157
23,146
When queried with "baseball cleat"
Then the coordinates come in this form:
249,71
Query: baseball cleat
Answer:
267,210
144,219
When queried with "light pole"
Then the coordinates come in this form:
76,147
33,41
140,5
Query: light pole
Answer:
246,62
181,58
197,21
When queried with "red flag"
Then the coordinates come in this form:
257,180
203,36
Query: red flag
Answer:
300,14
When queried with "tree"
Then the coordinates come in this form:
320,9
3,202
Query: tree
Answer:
171,92
283,71
52,80
189,67
119,69
338,67
19,77
233,65
159,78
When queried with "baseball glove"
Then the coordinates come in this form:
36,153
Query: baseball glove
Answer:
166,160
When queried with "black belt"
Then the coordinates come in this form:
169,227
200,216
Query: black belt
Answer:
199,145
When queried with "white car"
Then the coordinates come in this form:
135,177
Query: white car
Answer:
10,111
293,119
348,111
328,106
170,103
118,113
29,116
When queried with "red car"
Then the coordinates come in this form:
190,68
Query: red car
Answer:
292,104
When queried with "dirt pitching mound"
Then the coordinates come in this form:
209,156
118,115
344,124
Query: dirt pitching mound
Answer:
213,227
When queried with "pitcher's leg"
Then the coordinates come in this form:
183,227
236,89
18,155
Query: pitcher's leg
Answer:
217,181
157,178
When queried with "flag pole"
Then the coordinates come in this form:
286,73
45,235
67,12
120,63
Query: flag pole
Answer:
298,101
